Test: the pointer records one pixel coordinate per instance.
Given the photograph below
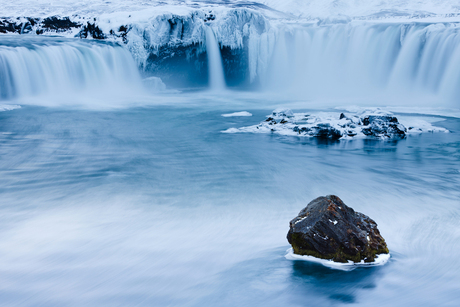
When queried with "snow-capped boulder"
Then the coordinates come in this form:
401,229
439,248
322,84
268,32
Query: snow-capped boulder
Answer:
329,229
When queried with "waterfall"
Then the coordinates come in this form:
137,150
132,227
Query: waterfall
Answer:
403,61
215,67
63,68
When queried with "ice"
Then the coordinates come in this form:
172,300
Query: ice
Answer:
379,260
236,114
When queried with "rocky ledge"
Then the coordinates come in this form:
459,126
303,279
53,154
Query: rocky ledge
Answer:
329,229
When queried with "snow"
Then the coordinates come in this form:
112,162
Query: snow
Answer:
236,114
361,8
300,220
300,8
416,125
407,110
379,260
333,222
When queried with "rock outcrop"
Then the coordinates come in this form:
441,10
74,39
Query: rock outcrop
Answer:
329,229
377,124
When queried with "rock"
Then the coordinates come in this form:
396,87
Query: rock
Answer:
329,229
91,30
383,126
58,24
325,131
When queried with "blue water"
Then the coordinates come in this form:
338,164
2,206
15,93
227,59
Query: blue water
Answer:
154,206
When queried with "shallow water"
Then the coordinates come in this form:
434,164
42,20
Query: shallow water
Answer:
154,206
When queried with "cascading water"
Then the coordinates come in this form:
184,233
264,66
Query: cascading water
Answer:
30,67
215,67
360,60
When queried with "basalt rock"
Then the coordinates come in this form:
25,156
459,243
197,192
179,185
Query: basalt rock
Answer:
329,229
383,126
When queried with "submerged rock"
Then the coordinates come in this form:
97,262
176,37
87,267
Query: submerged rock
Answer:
329,229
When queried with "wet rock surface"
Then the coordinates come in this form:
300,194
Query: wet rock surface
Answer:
329,229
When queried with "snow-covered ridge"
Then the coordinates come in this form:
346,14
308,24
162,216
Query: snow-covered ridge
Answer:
374,123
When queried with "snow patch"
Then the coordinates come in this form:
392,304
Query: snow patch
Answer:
237,114
300,220
333,222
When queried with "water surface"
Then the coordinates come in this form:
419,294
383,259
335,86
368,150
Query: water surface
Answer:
154,206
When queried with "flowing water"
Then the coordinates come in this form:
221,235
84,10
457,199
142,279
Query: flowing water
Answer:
216,69
151,205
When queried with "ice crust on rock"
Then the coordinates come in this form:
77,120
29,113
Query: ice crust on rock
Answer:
364,123
380,259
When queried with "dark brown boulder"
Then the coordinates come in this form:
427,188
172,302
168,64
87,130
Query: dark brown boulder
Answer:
329,229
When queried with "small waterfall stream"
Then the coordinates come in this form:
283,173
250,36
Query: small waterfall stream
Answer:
215,66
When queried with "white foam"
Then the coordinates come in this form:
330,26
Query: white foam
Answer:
236,114
380,259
